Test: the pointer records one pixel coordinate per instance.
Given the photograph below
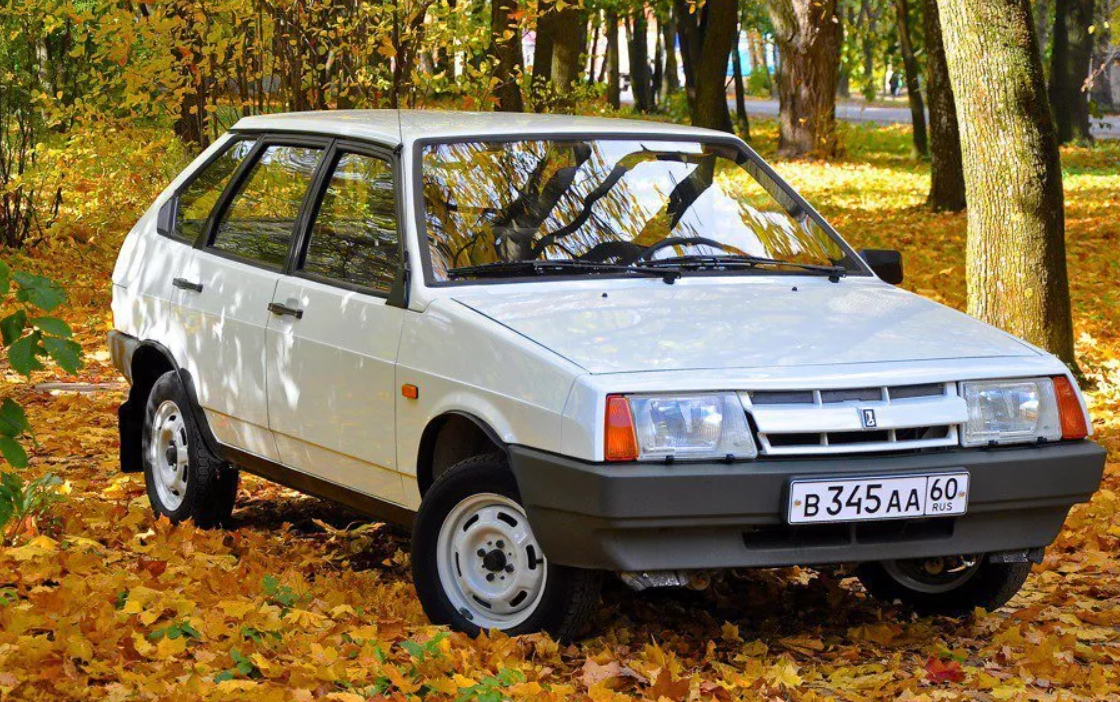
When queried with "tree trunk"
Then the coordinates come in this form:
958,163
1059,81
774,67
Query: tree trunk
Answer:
690,36
870,17
740,91
505,54
1080,21
1041,11
658,63
1016,227
593,48
1059,71
639,61
946,183
1069,67
567,52
542,54
808,34
718,26
670,82
613,80
913,80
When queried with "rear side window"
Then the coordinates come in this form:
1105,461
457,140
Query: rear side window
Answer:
197,199
259,222
354,239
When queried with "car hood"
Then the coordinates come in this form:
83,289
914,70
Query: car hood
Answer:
744,324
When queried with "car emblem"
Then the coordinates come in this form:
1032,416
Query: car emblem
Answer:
867,418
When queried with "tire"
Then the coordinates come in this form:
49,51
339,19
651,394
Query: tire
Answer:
985,584
184,479
465,587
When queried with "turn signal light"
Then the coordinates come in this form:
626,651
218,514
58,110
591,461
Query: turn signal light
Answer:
410,391
1069,409
621,444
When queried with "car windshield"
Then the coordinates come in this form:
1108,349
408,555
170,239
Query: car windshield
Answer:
601,205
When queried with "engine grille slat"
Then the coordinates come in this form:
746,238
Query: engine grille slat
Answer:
833,420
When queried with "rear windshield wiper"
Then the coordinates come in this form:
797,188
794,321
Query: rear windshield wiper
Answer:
695,262
504,269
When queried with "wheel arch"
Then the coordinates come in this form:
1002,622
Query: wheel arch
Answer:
449,438
149,362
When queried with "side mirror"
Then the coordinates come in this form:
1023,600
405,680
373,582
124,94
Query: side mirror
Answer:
886,264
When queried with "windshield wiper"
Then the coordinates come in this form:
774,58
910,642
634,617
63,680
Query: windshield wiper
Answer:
500,269
697,262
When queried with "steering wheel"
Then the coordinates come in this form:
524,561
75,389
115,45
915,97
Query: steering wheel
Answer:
682,240
623,252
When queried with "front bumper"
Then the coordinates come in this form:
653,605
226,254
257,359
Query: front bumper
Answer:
645,517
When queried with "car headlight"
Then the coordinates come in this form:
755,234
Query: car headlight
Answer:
702,425
1011,412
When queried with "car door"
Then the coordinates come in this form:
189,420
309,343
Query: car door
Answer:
228,286
332,344
162,282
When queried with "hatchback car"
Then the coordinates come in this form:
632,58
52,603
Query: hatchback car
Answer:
559,347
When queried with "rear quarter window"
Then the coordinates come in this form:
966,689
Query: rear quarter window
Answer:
197,198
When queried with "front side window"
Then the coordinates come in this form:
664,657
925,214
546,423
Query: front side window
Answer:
197,199
599,205
259,222
354,239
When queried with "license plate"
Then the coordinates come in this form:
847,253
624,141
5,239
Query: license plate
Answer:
861,499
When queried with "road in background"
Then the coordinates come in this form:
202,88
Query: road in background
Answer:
1103,127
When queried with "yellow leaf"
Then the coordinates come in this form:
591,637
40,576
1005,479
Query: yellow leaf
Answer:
464,681
170,648
783,674
237,609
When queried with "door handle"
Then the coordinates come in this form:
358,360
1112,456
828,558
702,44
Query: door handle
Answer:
277,308
185,284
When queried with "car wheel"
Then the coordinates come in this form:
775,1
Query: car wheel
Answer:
477,565
951,586
184,479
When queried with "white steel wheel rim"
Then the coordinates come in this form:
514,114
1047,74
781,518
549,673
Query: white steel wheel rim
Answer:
911,573
168,455
490,565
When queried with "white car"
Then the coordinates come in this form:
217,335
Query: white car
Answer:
559,347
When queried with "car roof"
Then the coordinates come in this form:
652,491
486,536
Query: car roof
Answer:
383,126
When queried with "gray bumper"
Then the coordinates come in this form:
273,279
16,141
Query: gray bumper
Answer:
718,515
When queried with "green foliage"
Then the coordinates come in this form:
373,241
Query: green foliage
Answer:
759,82
21,500
242,668
279,594
28,337
425,651
175,631
492,687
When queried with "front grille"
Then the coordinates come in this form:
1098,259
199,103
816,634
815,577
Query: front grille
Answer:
856,420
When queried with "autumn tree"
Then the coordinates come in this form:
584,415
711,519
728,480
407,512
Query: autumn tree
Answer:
946,186
670,80
1070,56
613,78
913,78
568,48
641,79
706,36
808,34
1016,257
505,54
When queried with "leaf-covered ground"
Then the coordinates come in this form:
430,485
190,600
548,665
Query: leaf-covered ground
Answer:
303,600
